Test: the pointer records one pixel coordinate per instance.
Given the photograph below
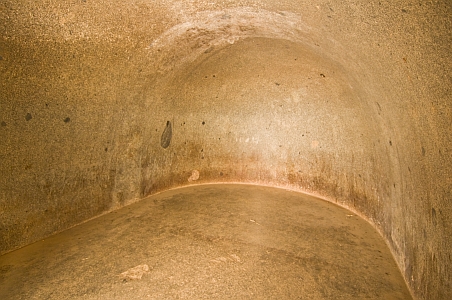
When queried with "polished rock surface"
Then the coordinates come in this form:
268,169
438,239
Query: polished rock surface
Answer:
210,242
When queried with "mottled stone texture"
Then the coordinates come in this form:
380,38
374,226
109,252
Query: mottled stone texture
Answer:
105,102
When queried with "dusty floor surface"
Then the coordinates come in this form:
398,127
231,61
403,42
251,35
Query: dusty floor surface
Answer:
210,242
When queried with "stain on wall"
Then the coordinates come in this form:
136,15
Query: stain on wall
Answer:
167,134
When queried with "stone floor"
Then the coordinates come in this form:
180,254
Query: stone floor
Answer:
210,242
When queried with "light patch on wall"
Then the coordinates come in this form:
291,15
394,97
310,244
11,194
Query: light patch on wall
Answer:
254,140
314,144
297,95
194,176
207,30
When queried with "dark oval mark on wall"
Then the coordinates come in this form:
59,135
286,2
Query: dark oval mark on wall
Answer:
28,117
434,216
166,135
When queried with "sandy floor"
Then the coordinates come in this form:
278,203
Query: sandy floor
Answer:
210,242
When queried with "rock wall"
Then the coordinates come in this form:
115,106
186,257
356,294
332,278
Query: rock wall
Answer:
105,102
